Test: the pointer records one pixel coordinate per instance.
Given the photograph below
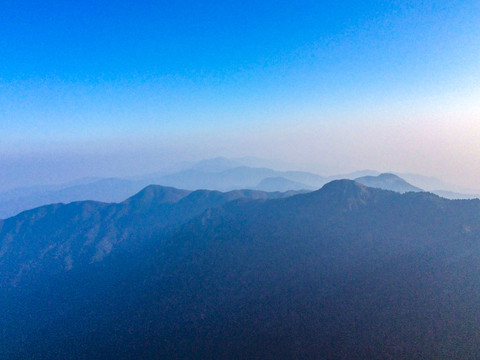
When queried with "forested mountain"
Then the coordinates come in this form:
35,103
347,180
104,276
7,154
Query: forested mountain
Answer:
59,236
345,272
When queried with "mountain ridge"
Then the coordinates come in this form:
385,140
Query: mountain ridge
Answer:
94,229
221,174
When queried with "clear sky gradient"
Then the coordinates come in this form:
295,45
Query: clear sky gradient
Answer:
91,88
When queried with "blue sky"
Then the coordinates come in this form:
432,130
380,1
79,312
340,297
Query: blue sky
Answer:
121,87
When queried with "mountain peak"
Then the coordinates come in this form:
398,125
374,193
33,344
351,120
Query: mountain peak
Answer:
345,186
157,194
279,183
346,194
388,181
389,176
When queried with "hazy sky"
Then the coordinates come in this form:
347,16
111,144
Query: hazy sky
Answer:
123,87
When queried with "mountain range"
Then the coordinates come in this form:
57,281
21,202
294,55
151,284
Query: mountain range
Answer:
64,236
343,272
213,174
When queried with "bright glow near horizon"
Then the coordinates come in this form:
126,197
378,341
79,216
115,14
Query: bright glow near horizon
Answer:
121,88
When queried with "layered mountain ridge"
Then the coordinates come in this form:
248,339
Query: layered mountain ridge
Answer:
213,174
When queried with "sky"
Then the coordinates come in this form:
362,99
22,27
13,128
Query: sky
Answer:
120,88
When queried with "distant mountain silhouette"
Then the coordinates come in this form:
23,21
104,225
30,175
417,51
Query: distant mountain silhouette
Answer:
427,183
344,272
214,174
242,177
455,195
213,165
355,174
387,181
280,184
104,190
219,173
